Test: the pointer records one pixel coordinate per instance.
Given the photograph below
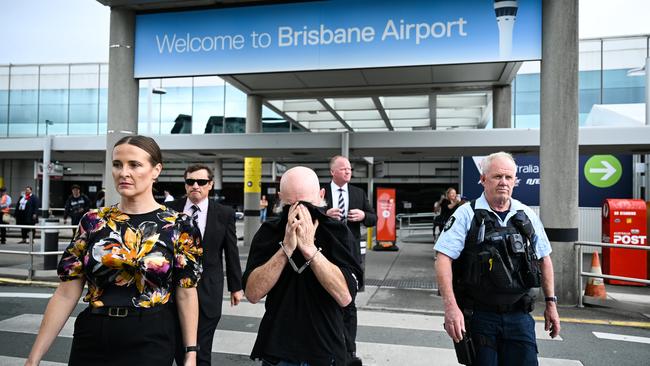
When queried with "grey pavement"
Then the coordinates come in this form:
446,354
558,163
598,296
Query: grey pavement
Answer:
400,318
395,281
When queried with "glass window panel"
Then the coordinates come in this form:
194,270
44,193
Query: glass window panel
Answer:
53,100
619,56
589,57
149,110
4,100
527,100
272,122
235,108
176,106
23,101
208,102
103,99
84,99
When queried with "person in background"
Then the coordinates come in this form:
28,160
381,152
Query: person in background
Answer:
350,205
5,205
76,206
134,256
99,202
445,207
264,205
216,224
168,196
26,212
303,264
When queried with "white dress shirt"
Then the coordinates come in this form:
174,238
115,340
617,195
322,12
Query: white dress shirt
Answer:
335,196
202,213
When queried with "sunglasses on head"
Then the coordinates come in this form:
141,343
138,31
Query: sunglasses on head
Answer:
201,182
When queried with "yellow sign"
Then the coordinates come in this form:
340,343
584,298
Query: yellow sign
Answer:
252,175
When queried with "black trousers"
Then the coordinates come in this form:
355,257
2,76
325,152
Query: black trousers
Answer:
205,335
24,233
145,339
3,231
350,325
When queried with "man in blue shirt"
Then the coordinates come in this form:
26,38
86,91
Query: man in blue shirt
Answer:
476,276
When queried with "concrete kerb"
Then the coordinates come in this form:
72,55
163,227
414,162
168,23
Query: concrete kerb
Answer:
19,282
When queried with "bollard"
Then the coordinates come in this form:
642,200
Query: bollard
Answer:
50,239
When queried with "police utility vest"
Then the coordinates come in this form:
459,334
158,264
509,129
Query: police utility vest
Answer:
498,265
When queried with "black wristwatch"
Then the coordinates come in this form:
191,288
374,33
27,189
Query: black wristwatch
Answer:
192,349
551,299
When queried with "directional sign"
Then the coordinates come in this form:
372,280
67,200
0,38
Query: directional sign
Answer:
603,170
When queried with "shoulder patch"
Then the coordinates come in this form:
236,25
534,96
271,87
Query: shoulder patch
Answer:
449,223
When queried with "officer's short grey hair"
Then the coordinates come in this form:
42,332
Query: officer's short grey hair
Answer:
487,161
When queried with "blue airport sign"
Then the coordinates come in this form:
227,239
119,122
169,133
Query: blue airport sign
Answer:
335,34
591,193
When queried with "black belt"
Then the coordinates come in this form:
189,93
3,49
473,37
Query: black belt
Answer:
498,308
124,311
525,304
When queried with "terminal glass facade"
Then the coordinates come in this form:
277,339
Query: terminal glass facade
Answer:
71,99
606,77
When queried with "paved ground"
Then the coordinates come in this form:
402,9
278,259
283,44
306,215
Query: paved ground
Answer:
400,319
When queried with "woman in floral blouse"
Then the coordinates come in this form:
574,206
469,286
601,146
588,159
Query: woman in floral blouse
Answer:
134,256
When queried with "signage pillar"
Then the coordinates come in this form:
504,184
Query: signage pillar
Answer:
252,171
252,193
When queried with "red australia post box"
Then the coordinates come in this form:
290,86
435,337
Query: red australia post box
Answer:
625,222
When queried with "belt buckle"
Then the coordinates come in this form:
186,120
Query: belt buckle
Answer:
117,312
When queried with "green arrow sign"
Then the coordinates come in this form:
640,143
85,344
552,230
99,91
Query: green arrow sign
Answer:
603,171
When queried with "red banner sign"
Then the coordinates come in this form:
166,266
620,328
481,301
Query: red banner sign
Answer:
386,215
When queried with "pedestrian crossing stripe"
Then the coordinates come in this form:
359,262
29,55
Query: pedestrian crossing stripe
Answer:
373,354
17,361
622,337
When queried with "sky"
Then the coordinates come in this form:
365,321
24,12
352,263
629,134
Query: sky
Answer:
66,31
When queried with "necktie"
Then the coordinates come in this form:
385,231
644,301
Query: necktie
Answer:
341,204
195,214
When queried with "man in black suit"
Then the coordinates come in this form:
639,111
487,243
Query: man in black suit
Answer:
217,225
350,204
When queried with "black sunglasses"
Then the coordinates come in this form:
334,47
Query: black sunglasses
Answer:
201,182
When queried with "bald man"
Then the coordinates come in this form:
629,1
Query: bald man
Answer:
303,263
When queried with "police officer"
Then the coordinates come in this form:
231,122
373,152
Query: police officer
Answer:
492,255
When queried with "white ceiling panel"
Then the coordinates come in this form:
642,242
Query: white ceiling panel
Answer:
302,105
351,104
407,102
411,122
378,123
360,115
459,112
322,124
408,113
317,116
457,122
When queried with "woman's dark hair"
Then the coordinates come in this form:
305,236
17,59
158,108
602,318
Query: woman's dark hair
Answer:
145,143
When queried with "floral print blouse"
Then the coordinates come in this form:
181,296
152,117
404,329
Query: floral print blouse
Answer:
144,256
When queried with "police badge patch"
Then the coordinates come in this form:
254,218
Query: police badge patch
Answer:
449,223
